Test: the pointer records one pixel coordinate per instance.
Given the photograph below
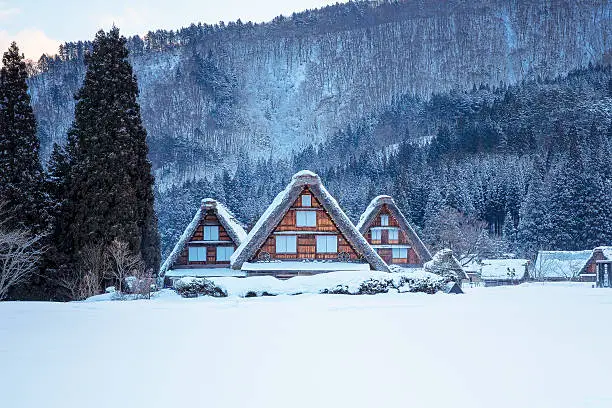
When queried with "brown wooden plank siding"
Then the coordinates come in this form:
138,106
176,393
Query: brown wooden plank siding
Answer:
386,253
209,218
306,244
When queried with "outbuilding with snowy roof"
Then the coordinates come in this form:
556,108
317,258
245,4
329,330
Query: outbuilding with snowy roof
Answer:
599,255
560,265
498,272
304,231
391,235
205,247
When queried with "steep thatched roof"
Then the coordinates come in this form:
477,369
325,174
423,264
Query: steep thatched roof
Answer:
281,204
444,263
227,220
369,215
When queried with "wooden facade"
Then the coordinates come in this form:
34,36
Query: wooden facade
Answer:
208,219
389,235
589,271
306,237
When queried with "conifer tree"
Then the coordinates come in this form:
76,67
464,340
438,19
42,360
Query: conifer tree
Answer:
21,175
534,228
110,194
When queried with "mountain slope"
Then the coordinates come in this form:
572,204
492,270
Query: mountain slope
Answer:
209,93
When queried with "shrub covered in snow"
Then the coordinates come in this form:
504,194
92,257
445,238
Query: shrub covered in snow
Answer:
375,286
423,284
338,290
194,287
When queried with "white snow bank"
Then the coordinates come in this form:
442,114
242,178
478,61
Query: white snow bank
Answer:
204,272
315,284
290,266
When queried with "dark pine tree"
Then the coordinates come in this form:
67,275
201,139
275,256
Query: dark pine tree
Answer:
21,175
111,186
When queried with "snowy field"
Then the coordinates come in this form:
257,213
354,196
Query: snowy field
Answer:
529,346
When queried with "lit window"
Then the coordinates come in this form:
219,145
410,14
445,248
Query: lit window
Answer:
384,220
376,234
327,244
224,253
211,233
197,254
306,200
306,218
286,244
400,253
393,233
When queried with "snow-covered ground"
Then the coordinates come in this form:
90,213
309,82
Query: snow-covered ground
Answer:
533,345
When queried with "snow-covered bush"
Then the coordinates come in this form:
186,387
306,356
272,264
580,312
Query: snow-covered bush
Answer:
424,285
194,287
338,290
375,286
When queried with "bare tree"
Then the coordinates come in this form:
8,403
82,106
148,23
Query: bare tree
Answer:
20,253
86,277
142,282
125,263
468,237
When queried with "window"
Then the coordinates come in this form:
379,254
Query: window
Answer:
306,200
327,244
384,220
197,254
376,234
211,233
306,218
286,244
393,234
224,253
400,253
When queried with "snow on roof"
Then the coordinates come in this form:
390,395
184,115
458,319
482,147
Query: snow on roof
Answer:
560,264
226,218
444,263
279,206
501,269
606,250
372,211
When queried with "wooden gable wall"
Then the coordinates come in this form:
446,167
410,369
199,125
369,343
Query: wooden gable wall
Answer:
387,253
208,218
306,236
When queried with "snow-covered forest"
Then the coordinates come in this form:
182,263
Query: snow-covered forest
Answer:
324,89
510,160
210,92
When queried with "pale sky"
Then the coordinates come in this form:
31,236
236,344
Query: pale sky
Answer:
39,26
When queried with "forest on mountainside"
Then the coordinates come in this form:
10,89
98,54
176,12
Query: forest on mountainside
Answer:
211,93
469,113
529,164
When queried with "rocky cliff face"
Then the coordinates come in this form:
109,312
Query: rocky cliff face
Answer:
210,93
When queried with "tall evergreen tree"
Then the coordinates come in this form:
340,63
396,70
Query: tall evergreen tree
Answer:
110,194
534,228
21,175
